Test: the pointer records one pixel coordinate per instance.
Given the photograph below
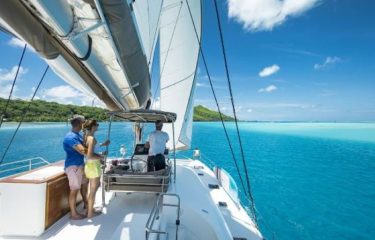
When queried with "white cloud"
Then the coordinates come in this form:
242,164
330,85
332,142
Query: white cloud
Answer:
282,105
296,51
15,42
328,93
257,15
62,92
5,90
327,62
295,105
249,110
268,71
201,84
8,75
268,89
6,78
66,94
239,109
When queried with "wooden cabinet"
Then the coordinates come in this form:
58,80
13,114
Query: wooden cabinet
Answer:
57,198
43,194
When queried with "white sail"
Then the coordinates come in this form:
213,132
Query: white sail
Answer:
147,15
97,39
179,50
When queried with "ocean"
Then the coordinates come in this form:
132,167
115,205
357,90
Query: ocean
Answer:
309,180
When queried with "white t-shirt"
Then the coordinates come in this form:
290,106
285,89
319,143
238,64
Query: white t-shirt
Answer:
157,140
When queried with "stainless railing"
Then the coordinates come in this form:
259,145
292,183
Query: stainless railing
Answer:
26,164
155,214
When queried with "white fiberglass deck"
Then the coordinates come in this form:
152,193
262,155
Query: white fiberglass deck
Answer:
42,173
126,214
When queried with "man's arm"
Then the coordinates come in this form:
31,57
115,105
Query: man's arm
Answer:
167,137
147,143
83,150
80,148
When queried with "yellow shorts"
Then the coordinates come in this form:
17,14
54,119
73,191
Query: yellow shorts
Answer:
93,169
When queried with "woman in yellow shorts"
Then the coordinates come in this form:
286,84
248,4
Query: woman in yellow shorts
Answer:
93,163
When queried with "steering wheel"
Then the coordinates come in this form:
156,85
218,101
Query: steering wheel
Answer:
138,159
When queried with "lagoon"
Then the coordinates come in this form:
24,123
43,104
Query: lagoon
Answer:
309,180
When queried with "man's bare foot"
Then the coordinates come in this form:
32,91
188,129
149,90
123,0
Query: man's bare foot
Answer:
77,216
94,214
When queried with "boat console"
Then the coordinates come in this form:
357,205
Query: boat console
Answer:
130,175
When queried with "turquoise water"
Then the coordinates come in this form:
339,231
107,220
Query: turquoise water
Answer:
309,180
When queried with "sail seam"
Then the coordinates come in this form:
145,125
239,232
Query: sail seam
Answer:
178,82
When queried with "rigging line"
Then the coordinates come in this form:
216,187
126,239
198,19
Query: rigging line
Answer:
234,111
166,56
156,29
13,84
260,218
24,114
216,101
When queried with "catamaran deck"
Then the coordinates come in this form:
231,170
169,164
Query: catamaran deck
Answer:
126,214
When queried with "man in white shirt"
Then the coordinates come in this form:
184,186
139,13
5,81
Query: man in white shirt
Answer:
156,144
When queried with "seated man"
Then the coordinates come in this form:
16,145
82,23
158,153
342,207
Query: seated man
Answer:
156,144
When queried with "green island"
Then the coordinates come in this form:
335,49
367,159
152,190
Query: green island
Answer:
204,114
43,111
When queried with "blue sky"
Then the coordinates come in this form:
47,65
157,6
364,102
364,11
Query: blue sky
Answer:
305,60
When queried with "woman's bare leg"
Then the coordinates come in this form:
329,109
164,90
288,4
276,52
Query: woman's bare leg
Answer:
94,184
84,190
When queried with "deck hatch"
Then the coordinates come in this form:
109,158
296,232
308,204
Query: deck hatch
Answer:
213,186
223,204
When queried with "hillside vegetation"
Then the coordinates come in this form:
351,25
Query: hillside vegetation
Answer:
204,114
43,111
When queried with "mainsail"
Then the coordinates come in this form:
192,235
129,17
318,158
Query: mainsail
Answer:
106,49
97,40
179,50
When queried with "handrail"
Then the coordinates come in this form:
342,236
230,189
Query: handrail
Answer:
28,163
155,215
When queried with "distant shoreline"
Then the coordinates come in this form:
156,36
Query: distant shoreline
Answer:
218,122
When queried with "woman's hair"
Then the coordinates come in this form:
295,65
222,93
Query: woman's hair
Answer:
88,124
